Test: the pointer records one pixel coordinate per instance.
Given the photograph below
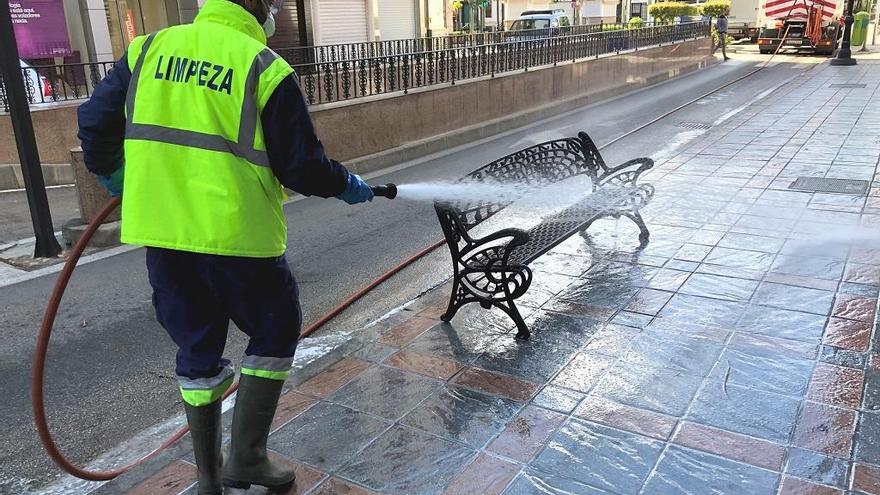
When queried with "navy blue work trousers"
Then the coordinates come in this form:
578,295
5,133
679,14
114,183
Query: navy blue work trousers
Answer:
196,295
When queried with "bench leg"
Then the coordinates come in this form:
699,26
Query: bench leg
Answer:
456,301
636,217
522,330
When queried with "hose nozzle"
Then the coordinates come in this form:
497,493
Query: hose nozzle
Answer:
387,191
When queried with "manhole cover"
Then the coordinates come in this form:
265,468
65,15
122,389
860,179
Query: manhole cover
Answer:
848,85
695,125
843,186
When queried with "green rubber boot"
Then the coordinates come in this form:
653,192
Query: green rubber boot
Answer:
248,462
205,429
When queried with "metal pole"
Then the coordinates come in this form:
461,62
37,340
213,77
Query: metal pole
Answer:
844,55
23,128
876,21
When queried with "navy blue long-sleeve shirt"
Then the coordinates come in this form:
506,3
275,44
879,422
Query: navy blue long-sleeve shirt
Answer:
295,153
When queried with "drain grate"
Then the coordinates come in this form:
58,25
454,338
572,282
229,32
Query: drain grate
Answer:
848,85
842,186
695,125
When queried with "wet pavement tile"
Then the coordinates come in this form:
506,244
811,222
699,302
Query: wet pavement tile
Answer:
794,298
563,264
858,289
685,266
496,384
649,301
463,415
825,429
761,345
532,482
848,334
865,255
717,287
656,389
836,386
335,376
621,273
578,310
597,292
855,308
431,366
336,486
842,357
406,461
778,373
684,471
816,467
866,479
693,252
326,435
702,310
862,274
532,360
707,237
733,446
634,320
486,475
685,353
738,258
743,410
584,371
385,392
558,399
455,343
599,456
868,438
403,333
824,268
782,323
871,400
373,352
795,486
812,283
527,434
627,418
611,340
171,480
669,280
291,405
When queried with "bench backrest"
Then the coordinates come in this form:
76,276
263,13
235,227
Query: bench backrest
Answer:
538,165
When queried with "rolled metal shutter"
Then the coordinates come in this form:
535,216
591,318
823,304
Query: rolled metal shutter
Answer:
342,21
397,19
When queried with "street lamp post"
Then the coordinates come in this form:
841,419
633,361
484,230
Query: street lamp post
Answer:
844,55
23,128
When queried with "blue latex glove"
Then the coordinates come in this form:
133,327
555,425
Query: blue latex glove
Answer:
357,191
113,182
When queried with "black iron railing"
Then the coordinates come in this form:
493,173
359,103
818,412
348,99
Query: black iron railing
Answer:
341,72
336,80
368,49
47,84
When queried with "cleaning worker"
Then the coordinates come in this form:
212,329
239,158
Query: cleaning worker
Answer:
205,124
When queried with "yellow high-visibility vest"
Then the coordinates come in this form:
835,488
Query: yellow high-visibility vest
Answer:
197,177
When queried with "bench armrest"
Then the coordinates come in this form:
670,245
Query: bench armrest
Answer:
626,174
519,237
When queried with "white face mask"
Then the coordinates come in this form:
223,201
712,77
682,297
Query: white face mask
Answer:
269,25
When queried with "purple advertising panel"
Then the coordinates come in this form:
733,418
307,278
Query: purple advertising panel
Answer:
40,28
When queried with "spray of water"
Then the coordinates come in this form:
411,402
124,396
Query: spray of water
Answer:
461,191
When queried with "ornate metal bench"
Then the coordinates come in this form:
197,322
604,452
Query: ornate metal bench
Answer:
495,273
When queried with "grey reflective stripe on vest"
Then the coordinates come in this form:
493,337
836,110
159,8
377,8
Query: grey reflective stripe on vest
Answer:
193,139
135,74
209,383
247,126
267,363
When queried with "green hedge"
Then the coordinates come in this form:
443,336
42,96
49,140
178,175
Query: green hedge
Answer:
635,22
714,8
668,11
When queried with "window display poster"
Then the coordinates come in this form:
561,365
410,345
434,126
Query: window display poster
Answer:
40,28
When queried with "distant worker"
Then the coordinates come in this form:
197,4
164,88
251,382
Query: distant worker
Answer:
206,124
721,28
